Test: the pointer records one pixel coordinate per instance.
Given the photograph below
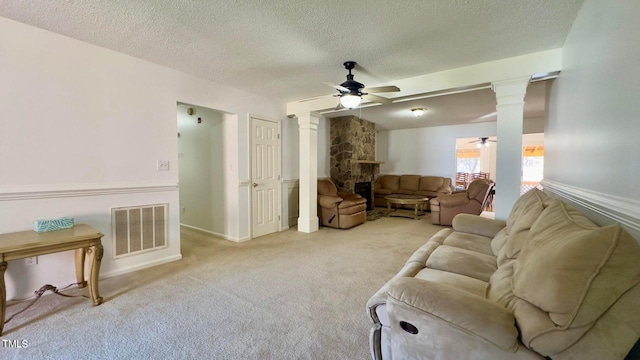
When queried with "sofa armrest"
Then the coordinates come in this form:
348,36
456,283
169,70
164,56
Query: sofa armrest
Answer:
478,225
445,189
328,201
453,199
350,196
459,309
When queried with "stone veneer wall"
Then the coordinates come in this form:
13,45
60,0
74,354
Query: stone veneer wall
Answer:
352,138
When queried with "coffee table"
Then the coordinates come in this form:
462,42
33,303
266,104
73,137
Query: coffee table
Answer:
419,203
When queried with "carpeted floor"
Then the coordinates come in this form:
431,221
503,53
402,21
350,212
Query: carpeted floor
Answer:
282,296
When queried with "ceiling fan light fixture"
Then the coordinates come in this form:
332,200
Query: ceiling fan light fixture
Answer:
418,111
350,101
483,142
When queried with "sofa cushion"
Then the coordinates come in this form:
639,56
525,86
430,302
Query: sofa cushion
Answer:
390,182
469,284
499,288
429,194
431,183
410,182
383,192
572,269
462,261
523,206
469,241
519,224
402,192
326,187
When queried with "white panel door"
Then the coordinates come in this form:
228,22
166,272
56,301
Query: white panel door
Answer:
265,177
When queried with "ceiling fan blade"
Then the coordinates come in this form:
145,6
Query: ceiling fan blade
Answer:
376,98
317,97
337,87
381,89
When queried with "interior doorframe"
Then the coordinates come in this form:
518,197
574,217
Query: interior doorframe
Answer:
279,164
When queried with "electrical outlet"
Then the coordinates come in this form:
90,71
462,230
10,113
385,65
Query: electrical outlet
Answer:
31,261
163,165
184,210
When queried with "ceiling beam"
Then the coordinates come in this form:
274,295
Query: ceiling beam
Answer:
460,79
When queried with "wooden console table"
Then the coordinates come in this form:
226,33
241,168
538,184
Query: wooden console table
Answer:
82,238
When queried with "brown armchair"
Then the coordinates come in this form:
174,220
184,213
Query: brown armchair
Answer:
340,210
471,201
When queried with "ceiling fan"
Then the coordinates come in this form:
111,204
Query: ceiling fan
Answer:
482,141
352,92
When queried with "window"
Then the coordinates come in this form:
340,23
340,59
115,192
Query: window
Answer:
532,167
468,160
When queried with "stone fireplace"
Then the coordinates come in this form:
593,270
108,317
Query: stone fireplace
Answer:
352,153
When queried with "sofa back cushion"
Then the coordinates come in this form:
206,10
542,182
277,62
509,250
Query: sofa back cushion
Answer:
431,183
390,182
410,182
569,272
524,213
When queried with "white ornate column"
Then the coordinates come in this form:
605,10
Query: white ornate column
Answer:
308,210
510,109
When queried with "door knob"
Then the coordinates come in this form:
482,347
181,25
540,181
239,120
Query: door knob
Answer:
254,184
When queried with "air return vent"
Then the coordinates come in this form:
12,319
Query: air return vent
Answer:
139,228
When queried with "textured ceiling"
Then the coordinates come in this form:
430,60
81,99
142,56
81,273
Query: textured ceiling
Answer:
462,108
285,49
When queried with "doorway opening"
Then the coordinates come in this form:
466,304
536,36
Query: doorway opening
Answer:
201,169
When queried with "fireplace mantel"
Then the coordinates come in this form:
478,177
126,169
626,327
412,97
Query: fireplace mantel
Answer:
366,162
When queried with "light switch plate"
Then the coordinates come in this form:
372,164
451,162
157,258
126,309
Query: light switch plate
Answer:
163,165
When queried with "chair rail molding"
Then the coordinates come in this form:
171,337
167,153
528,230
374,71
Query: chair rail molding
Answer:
28,192
623,210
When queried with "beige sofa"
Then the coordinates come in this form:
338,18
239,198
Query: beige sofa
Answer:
547,283
429,186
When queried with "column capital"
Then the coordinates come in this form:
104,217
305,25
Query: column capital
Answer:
510,91
308,120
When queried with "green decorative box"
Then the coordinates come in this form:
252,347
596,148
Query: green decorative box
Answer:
53,224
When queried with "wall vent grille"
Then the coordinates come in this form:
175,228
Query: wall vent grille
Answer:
138,229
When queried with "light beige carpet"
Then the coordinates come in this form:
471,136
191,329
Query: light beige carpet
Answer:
283,296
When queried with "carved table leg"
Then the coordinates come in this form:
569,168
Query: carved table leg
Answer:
3,295
95,259
80,254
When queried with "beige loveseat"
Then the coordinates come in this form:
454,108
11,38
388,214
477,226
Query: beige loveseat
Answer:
429,186
547,283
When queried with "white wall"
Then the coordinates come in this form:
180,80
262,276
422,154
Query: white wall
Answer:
425,151
201,162
592,133
82,128
591,137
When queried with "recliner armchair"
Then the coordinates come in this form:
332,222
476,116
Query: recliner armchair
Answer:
470,201
340,210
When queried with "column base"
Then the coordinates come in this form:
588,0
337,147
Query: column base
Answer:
308,225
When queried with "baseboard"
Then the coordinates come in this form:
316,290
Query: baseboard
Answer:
148,264
619,209
223,236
